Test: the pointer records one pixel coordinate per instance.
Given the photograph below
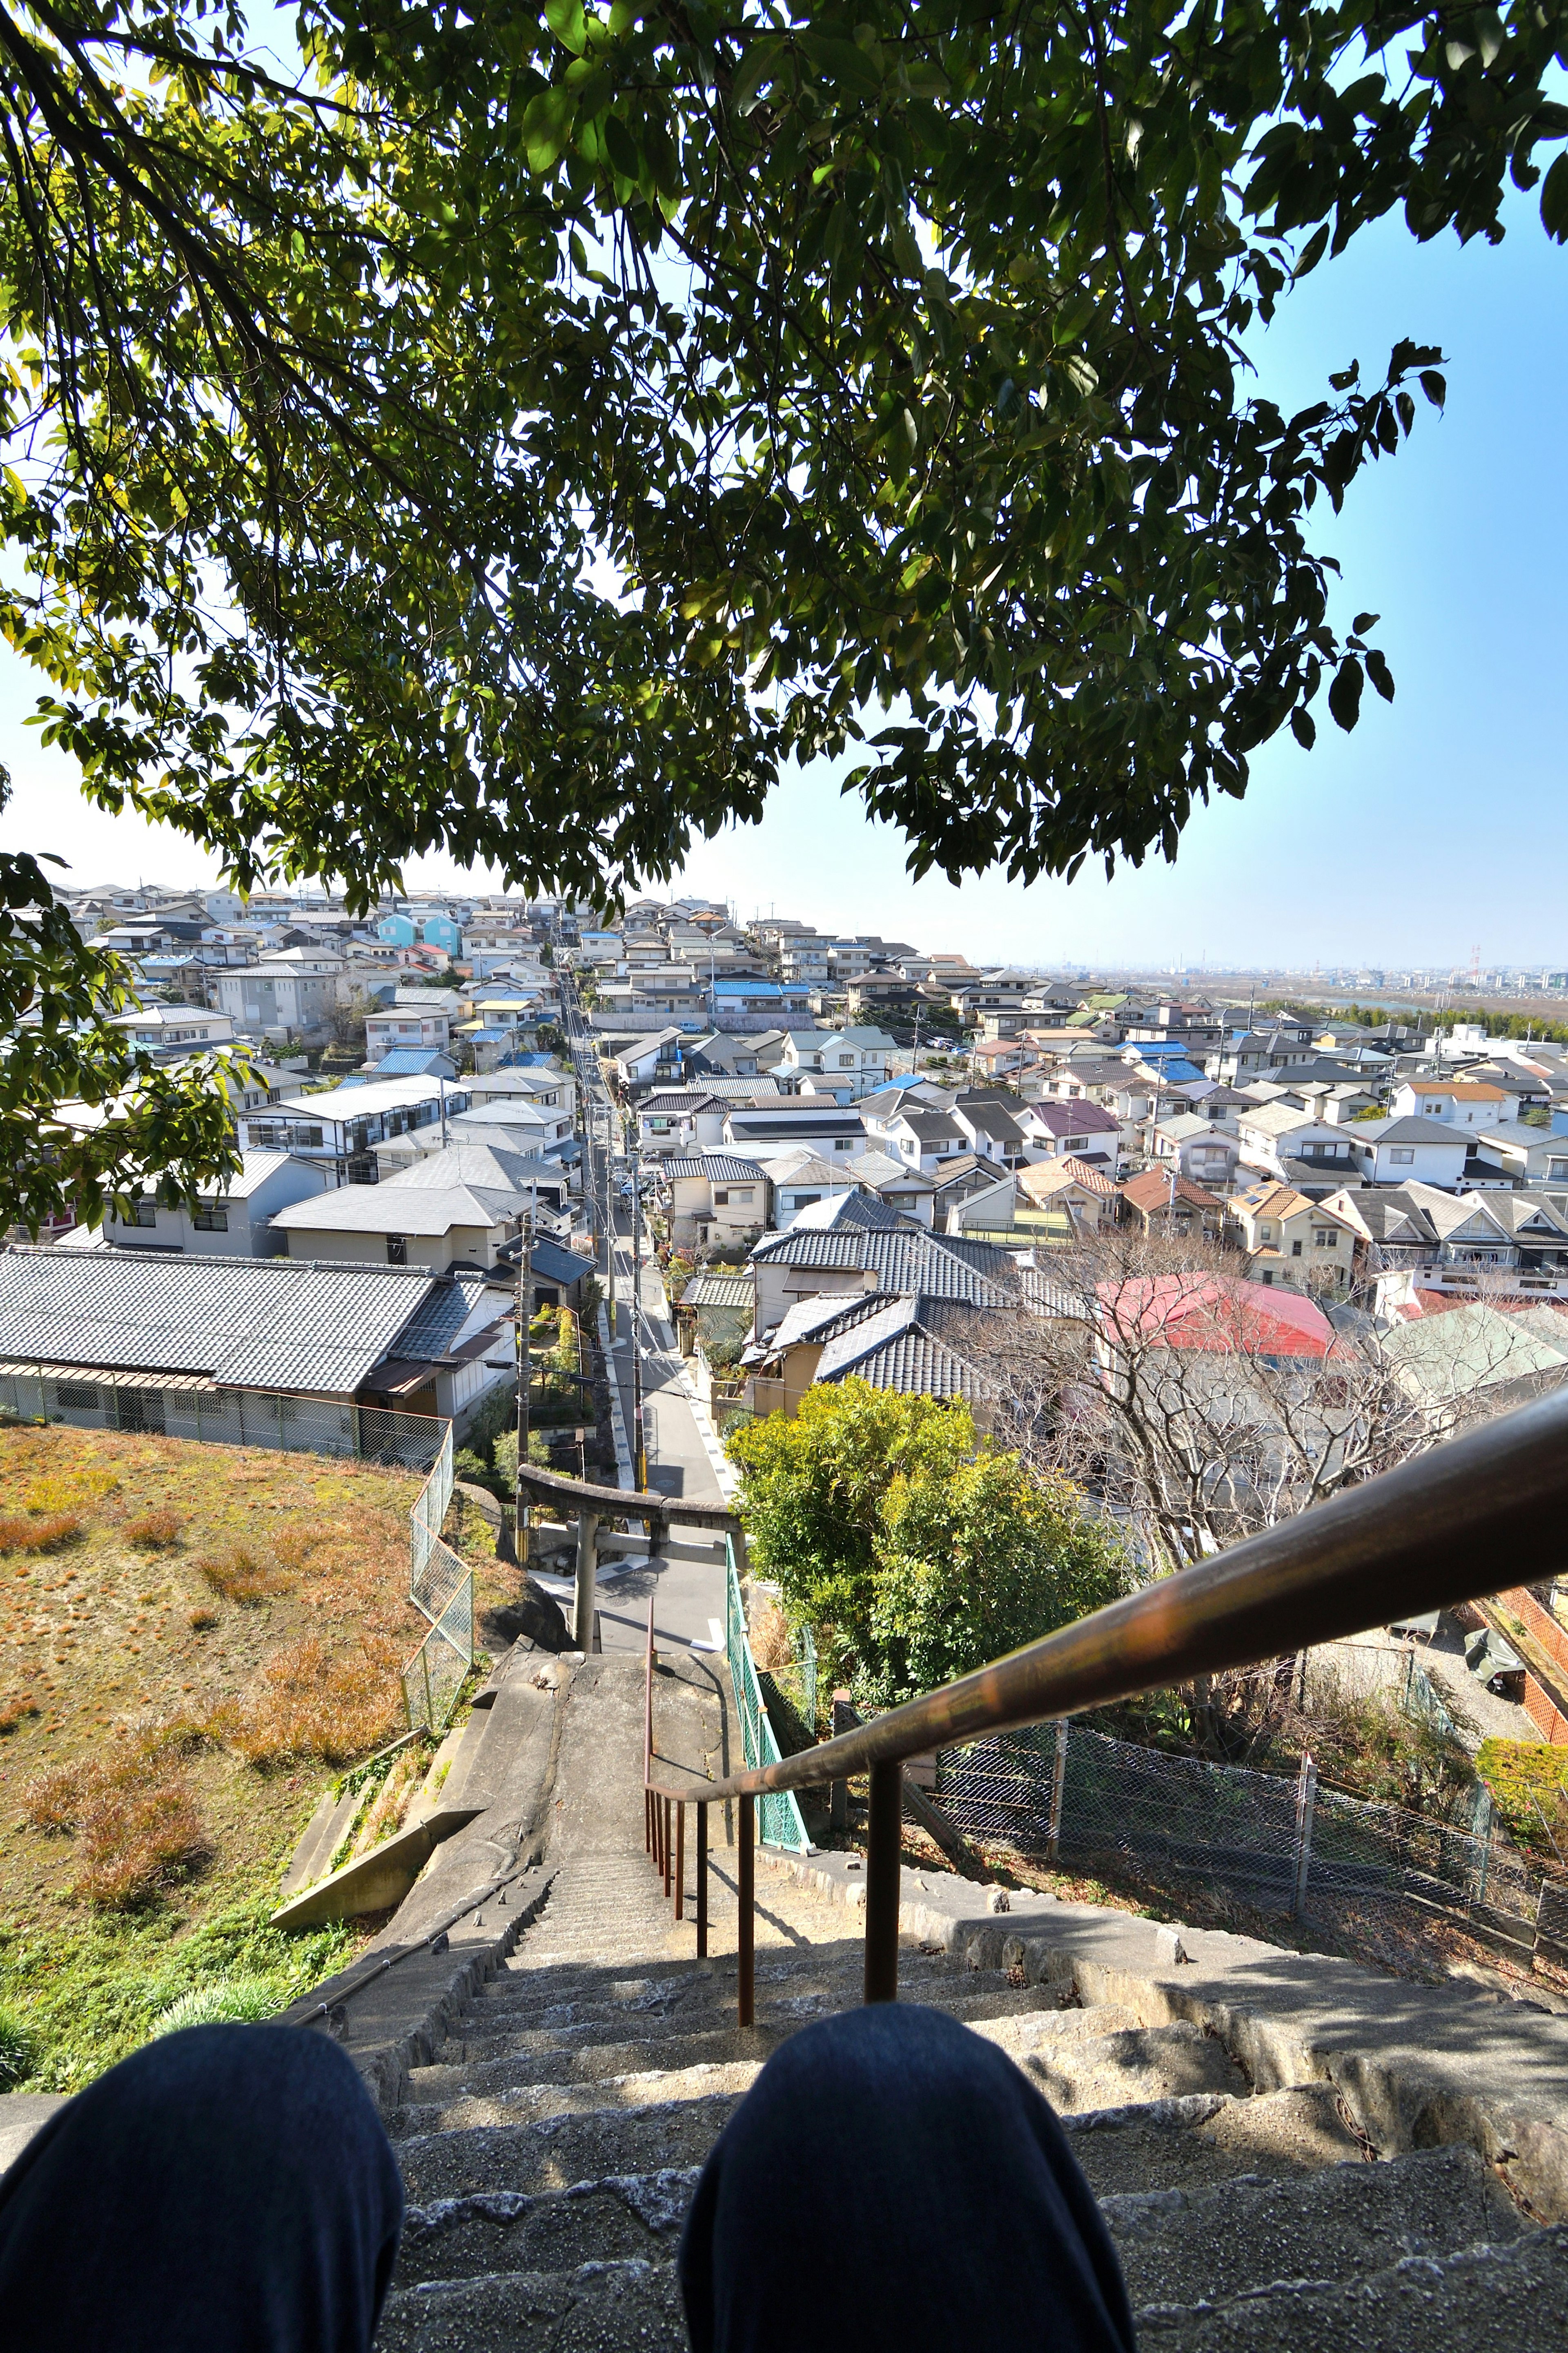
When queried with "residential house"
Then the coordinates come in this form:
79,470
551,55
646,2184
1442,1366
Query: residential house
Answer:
1085,1191
1457,1102
854,1245
648,1060
800,1177
438,1227
542,1083
528,1128
955,1181
1199,1148
171,1032
1279,1140
1003,1213
1521,1154
836,1133
230,1219
342,1127
1210,1317
713,1198
894,1184
1292,1241
424,1027
910,1345
265,1349
852,1062
294,991
1257,1053
1405,1151
1162,1200
998,1058
679,1119
922,1136
1077,1130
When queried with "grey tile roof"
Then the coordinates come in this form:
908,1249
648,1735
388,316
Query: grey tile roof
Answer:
719,1167
395,1208
719,1290
912,1260
246,1323
897,1349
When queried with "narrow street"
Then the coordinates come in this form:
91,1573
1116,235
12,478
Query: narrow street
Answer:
689,1606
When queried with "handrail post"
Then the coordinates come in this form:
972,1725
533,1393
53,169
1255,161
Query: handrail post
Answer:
1306,1802
680,1858
883,1858
746,1926
648,1699
668,1851
702,1878
1059,1785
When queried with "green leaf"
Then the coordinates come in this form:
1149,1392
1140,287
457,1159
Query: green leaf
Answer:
565,20
547,127
1382,677
1554,201
1344,693
1304,728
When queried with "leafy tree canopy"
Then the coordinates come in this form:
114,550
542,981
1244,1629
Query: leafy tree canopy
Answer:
531,432
914,1550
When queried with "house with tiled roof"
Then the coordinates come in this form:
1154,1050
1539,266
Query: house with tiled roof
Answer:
713,1198
1083,1130
1163,1201
1087,1192
1291,1240
909,1343
1197,1148
854,1245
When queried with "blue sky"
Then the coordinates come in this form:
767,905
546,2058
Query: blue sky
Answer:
1433,830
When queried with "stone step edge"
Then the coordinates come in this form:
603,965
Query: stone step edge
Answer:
1414,2065
1525,2259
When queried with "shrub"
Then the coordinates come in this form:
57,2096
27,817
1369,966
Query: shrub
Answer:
18,2050
14,1710
201,1618
240,1572
916,1552
226,1998
313,1704
1529,1783
38,1532
155,1530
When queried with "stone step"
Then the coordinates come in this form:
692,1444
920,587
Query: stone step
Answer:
604,2307
1489,2300
1133,2065
558,2151
619,2218
1190,2144
1507,2295
1178,2248
493,2067
521,2103
493,2029
1187,2145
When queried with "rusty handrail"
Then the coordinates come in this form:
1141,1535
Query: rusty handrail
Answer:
1481,1512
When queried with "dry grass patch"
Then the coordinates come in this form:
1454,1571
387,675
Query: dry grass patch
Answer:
316,1703
241,1572
132,1812
155,1530
38,1532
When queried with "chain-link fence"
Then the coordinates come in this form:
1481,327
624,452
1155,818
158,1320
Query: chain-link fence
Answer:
1090,1803
176,1407
779,1821
441,1586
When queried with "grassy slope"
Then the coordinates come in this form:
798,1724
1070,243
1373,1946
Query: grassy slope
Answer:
104,1635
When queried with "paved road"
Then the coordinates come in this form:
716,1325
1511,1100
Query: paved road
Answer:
689,1603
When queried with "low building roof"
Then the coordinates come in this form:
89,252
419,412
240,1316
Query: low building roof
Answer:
1156,1190
395,1208
245,1322
718,1167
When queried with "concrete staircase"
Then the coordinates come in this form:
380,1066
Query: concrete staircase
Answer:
551,2147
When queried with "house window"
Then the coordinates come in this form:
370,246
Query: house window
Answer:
1324,1238
146,1214
210,1217
847,1061
396,1249
1557,1170
720,1199
1401,1154
79,1397
1295,1249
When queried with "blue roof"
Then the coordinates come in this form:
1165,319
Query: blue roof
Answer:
558,1265
416,1062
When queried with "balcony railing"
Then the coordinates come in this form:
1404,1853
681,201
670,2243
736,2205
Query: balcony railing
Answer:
1486,1512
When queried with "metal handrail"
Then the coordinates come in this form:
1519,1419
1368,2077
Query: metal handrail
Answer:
1478,1515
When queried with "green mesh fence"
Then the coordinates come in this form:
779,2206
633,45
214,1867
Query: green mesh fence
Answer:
779,1821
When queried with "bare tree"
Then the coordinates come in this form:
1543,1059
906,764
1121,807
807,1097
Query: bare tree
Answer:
1201,1408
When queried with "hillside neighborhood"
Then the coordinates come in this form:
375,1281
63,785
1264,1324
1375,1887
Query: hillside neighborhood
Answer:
849,1157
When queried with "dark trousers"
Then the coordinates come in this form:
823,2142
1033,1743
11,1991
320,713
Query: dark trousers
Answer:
892,2182
228,2189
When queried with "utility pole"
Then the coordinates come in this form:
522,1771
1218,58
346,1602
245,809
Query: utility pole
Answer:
523,1512
639,1455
